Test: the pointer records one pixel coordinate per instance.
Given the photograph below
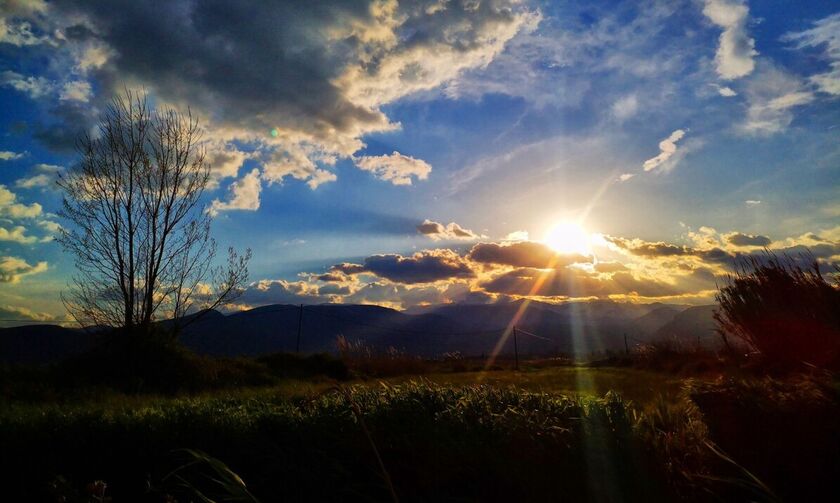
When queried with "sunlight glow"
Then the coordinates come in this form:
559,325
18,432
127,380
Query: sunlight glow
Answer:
569,237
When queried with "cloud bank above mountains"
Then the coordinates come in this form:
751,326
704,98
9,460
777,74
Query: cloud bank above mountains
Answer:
620,269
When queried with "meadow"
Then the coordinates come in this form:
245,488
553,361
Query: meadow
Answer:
546,433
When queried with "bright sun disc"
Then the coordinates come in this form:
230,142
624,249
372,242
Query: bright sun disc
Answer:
568,237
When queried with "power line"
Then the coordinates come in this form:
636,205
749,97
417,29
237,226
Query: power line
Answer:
533,335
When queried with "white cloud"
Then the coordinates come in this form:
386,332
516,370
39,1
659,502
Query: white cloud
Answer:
17,234
11,208
626,107
752,202
825,34
475,39
320,176
48,168
224,160
19,33
76,90
771,95
34,87
395,168
92,56
625,176
298,161
42,180
10,156
12,269
45,177
563,52
735,52
667,148
49,226
17,312
315,103
516,236
244,195
726,92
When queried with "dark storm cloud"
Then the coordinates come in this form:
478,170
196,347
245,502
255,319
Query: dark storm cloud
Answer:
311,68
716,255
431,228
452,231
666,250
739,239
523,254
70,120
348,268
248,61
423,267
331,277
645,249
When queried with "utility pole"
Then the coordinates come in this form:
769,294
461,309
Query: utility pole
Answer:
626,347
300,325
515,350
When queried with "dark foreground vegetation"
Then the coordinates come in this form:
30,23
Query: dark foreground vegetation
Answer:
143,419
431,443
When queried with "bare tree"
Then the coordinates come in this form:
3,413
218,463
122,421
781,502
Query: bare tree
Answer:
139,233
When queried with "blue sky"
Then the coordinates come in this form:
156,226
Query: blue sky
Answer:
679,123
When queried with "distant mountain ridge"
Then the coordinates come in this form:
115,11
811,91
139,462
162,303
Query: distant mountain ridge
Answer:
472,329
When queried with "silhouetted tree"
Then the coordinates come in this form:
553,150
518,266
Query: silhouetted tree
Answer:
788,312
140,236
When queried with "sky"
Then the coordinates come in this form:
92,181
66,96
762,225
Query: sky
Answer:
410,154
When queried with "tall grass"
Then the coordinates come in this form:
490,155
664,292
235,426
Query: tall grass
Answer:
782,431
366,361
435,443
787,312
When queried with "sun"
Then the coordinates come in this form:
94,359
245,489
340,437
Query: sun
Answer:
569,237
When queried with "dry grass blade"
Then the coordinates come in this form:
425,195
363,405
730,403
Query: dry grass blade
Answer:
752,482
199,475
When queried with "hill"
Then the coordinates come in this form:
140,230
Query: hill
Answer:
472,329
38,344
695,325
647,324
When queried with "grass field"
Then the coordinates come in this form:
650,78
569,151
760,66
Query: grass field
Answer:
632,384
636,385
542,433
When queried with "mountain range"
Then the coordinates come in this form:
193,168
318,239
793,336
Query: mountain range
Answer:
471,329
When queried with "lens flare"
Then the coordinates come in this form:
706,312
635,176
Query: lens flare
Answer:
569,237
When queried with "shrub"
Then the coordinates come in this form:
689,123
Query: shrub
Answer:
368,362
788,313
154,363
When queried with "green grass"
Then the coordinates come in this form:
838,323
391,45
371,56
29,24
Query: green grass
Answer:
636,385
576,433
436,443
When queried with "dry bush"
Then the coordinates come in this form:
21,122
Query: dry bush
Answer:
787,312
369,362
783,431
